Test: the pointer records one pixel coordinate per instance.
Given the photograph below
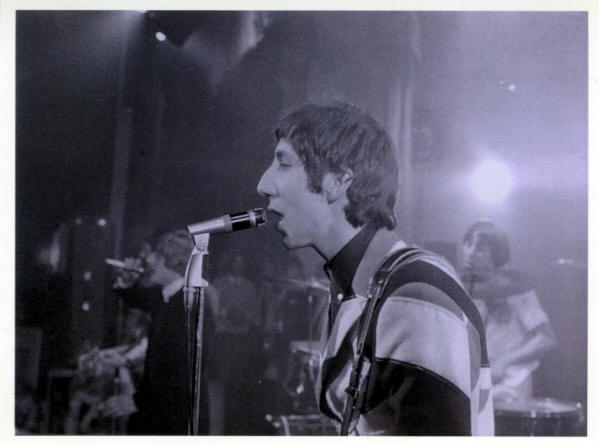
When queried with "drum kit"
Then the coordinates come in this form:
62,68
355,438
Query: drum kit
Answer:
538,417
299,384
296,319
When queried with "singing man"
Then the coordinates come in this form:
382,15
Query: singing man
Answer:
417,351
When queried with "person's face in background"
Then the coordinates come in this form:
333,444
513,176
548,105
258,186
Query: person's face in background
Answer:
157,272
477,255
144,254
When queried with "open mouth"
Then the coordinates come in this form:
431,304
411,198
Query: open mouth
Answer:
277,218
275,212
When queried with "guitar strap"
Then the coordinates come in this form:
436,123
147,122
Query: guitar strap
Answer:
391,274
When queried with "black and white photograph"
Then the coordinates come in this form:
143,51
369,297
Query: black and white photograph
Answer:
295,222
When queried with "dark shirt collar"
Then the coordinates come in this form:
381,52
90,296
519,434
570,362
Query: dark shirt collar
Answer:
342,267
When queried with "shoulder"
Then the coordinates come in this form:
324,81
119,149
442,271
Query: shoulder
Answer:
426,293
526,298
383,242
424,275
527,304
422,291
422,329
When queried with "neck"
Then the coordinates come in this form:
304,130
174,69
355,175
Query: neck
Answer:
335,238
167,276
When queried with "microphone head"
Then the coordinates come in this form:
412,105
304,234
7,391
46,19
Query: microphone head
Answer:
257,217
229,223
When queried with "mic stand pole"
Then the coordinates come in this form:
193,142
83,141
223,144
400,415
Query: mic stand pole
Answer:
194,296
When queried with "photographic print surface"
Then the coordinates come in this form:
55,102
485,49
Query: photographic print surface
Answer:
135,124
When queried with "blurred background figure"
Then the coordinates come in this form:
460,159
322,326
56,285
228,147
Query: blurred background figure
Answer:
101,392
237,350
292,301
518,330
27,410
160,404
42,325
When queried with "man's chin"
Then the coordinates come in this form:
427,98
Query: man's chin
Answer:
288,242
290,246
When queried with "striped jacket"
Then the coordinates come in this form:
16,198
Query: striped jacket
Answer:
425,372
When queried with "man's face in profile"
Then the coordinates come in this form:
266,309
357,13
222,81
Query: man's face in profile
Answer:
286,184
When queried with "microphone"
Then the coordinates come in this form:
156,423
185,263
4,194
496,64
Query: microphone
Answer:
121,265
230,223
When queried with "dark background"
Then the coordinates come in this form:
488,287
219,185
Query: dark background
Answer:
119,135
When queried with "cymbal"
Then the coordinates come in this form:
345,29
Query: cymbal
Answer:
300,284
305,346
310,284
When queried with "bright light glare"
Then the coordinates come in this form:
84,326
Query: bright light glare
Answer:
160,36
492,181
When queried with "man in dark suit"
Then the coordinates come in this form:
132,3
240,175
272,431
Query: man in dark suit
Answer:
161,403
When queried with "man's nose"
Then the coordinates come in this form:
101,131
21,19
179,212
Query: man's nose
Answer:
468,255
264,187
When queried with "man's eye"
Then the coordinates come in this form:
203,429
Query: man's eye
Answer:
283,166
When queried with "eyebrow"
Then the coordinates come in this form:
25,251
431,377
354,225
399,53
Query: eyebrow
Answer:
284,155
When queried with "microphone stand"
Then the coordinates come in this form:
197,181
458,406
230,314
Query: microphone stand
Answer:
194,300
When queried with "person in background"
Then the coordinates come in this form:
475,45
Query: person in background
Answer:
27,409
518,330
333,183
105,374
291,335
160,405
237,349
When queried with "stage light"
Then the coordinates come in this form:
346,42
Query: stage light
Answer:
492,181
161,37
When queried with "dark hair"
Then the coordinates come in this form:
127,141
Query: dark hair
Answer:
494,238
175,247
331,138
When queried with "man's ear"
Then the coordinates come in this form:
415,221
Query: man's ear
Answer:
336,184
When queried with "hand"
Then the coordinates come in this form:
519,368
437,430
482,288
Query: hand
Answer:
122,404
112,357
86,360
127,278
501,392
118,406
